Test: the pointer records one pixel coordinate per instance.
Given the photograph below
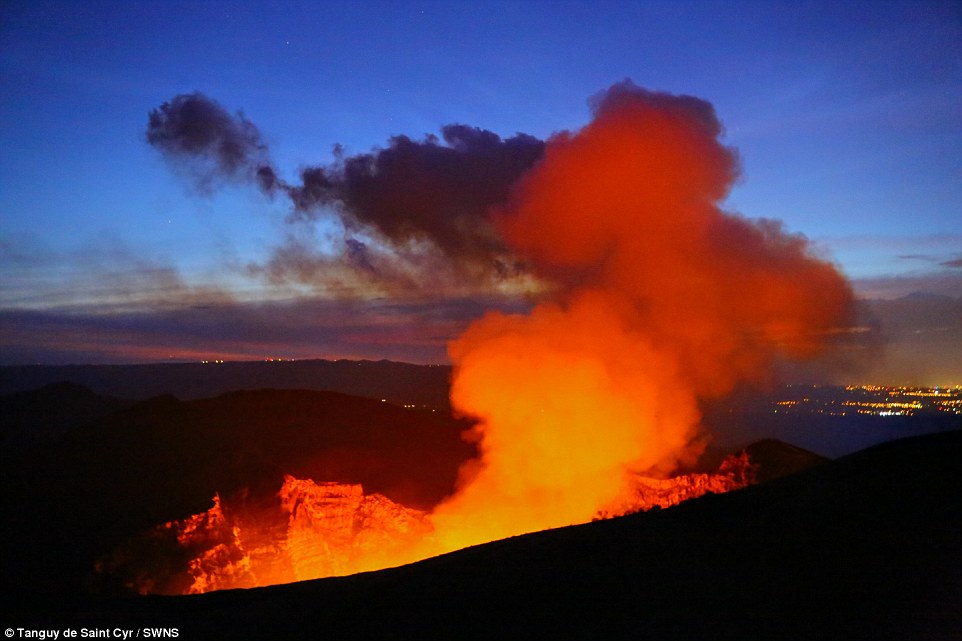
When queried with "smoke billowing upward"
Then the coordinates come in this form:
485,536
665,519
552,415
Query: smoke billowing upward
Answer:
662,298
629,205
425,190
415,196
209,141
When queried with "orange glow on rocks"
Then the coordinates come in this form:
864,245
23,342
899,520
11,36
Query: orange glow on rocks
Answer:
314,530
319,530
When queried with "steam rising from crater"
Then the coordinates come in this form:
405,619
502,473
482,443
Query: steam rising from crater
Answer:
660,298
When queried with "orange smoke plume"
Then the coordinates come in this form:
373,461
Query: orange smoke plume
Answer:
660,298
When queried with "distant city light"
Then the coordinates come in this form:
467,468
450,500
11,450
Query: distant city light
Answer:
872,400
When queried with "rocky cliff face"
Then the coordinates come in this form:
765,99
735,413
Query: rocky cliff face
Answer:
316,530
335,529
644,493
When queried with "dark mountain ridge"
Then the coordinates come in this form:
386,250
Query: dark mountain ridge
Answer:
44,414
399,383
735,421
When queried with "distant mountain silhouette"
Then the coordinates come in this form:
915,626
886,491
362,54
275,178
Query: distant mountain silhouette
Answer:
865,547
775,459
28,418
924,296
770,457
399,383
733,421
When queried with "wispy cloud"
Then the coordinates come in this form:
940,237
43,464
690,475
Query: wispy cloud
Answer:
940,283
956,262
106,275
406,330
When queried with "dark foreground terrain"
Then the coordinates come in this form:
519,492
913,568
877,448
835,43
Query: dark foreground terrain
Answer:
68,501
865,547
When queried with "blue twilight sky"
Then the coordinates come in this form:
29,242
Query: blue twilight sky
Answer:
847,117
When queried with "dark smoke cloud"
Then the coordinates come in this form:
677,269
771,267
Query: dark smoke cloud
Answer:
412,193
210,143
425,190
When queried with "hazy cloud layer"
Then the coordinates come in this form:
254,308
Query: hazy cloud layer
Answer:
922,341
412,331
900,341
105,276
946,282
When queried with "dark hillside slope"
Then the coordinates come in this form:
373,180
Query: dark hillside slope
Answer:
67,503
776,458
42,415
866,547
